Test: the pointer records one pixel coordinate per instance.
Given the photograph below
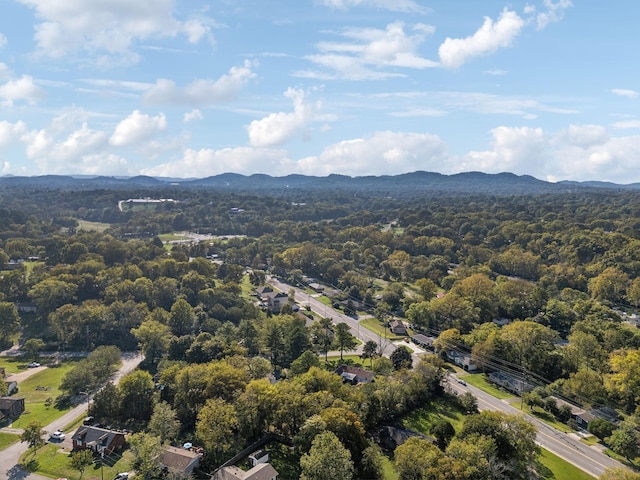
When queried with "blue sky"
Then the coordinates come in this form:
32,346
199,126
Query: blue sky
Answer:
194,88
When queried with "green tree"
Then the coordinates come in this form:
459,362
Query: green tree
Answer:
304,362
137,395
601,428
401,358
9,321
217,428
624,441
443,432
153,337
370,350
344,340
427,288
146,451
33,347
32,435
624,380
416,459
80,460
106,402
322,335
181,318
164,422
327,459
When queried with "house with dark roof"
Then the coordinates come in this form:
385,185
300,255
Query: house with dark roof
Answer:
422,340
606,413
11,408
352,374
397,327
98,439
276,300
180,460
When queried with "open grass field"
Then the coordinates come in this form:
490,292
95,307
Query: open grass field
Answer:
52,461
7,439
480,381
553,467
93,226
546,417
35,408
423,418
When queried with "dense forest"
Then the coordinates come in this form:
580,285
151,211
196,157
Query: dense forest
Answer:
534,279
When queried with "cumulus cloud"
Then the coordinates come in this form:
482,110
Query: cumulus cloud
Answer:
206,162
192,116
579,152
368,51
21,89
491,36
277,128
11,133
623,92
626,124
136,128
201,92
107,29
392,5
386,153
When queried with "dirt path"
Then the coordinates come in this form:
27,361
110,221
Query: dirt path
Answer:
19,377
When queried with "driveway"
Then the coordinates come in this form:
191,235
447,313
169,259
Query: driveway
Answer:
10,456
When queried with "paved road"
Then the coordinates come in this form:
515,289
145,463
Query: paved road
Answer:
9,457
565,446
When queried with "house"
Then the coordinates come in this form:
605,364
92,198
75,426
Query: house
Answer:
11,407
584,418
316,287
352,374
463,360
275,301
511,383
261,292
389,438
262,471
27,307
424,341
259,456
397,327
98,439
180,460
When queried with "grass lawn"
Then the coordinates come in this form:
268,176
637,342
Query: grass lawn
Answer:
93,226
53,462
167,237
7,439
480,381
546,417
441,408
590,440
376,327
35,399
14,364
352,359
553,467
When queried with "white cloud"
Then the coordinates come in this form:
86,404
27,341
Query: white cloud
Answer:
11,133
192,116
491,36
623,92
277,128
392,5
584,135
4,71
368,50
420,112
22,89
3,40
201,92
137,128
626,124
383,153
579,152
107,29
554,12
206,162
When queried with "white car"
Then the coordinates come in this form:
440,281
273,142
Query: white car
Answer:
122,476
33,365
57,435
462,382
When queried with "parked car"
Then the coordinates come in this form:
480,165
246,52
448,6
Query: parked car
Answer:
122,476
462,382
57,435
88,421
33,365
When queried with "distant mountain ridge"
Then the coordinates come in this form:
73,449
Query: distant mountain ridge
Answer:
406,183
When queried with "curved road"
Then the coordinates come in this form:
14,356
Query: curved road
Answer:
10,456
588,459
